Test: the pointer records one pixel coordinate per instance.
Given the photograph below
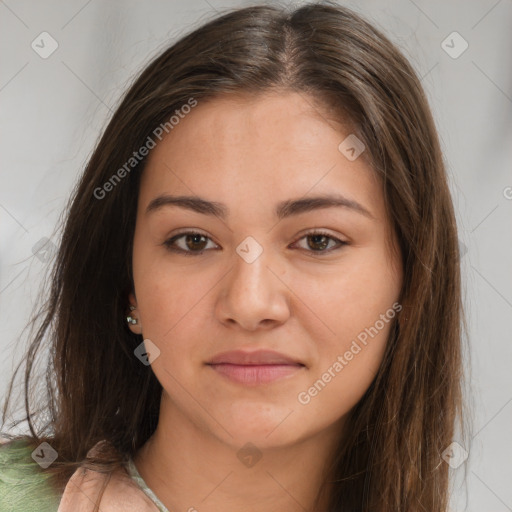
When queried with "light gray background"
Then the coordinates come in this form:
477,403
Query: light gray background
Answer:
54,109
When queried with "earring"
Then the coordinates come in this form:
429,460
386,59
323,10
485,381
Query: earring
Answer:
130,319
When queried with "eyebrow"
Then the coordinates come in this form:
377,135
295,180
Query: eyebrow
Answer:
283,209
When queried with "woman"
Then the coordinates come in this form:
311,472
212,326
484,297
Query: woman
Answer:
256,301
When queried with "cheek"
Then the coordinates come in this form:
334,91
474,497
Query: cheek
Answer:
354,308
174,310
346,362
347,297
169,306
163,294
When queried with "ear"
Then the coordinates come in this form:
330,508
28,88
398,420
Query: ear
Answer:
132,300
133,313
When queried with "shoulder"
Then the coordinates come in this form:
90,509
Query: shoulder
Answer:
24,486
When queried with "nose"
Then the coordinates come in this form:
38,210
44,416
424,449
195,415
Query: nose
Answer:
253,295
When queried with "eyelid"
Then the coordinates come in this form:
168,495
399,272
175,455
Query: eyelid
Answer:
168,242
312,232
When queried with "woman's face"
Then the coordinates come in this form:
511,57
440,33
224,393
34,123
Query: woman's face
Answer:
252,275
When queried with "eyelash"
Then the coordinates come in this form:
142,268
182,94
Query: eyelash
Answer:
169,243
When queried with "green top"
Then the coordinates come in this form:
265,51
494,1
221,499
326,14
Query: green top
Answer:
24,486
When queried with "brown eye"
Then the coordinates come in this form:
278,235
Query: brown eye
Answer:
194,242
318,242
189,243
322,243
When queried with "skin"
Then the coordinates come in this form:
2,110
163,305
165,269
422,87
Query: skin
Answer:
251,153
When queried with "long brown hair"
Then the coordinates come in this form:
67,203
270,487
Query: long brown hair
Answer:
391,459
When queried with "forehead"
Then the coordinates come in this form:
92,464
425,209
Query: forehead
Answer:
247,149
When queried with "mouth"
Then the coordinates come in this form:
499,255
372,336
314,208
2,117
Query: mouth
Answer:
256,374
255,368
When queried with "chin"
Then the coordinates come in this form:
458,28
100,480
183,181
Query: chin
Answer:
270,427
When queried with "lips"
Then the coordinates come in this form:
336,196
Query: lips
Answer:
255,368
259,357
